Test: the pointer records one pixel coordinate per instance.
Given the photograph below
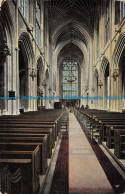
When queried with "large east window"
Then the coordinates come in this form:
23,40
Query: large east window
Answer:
122,10
70,79
38,21
107,20
24,7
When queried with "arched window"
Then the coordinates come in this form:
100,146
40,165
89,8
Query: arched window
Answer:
24,7
97,51
122,10
38,20
107,20
70,79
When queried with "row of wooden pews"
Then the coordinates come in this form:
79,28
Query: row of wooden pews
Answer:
105,126
26,144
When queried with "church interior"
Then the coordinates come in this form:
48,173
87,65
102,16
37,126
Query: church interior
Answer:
62,93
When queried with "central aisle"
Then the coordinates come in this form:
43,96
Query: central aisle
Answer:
85,173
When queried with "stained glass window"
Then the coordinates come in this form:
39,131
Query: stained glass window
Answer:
70,79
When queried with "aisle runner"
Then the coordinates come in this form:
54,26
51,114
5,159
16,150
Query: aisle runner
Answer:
85,173
60,184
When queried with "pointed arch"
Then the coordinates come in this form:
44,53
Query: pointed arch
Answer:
103,67
120,45
26,64
25,42
40,73
7,31
6,20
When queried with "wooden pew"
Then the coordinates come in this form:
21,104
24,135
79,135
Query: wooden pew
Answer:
99,127
33,129
10,182
107,126
32,134
27,158
5,183
119,139
56,124
42,142
30,130
104,129
30,123
42,116
96,121
105,133
41,131
110,134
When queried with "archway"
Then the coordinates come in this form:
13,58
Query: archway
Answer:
23,78
118,66
39,81
106,86
122,80
2,61
70,65
6,59
105,79
47,89
96,88
26,60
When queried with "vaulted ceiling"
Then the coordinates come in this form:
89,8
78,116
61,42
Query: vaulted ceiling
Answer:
73,21
68,52
84,11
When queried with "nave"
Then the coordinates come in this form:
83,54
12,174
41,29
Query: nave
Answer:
58,54
90,169
54,151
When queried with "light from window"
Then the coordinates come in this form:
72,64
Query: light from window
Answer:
97,51
107,20
24,7
70,79
38,20
122,10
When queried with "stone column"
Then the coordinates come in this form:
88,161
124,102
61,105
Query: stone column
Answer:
103,94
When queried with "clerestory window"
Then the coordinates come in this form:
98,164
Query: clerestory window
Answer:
97,51
24,7
107,20
122,10
38,21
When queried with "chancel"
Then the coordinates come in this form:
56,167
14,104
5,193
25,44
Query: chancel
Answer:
62,96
